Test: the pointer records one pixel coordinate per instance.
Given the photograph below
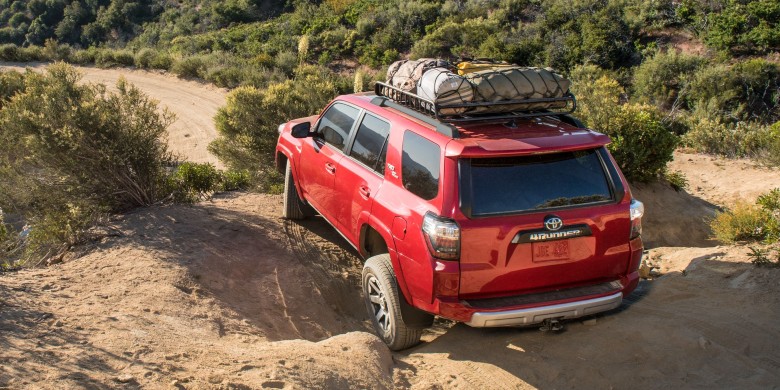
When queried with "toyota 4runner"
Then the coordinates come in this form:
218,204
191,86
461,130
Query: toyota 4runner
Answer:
492,220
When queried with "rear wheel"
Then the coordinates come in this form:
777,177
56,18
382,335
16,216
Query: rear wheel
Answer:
382,298
294,208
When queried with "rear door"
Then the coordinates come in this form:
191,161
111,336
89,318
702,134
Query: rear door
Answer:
541,222
321,155
361,174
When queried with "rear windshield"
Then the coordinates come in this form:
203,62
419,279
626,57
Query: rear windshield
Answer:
516,184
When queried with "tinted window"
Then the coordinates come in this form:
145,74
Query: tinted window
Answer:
420,166
336,124
513,184
370,143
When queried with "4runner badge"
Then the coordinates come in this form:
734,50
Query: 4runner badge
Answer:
552,223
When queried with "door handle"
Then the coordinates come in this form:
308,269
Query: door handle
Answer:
330,168
364,191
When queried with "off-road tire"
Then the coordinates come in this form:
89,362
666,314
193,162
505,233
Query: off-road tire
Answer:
390,326
294,208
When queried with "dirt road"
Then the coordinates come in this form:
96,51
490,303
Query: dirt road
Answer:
194,103
224,294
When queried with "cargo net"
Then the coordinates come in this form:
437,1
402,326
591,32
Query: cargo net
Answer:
491,92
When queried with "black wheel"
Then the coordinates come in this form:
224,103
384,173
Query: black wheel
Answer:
382,298
294,208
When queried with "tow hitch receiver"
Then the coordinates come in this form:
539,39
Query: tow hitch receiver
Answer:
551,324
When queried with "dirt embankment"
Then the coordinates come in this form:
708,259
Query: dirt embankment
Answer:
224,294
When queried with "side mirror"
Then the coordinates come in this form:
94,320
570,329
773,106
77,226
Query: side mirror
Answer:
301,130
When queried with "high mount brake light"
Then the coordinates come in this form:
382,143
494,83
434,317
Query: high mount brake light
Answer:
442,236
637,211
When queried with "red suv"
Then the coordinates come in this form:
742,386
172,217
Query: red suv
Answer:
492,220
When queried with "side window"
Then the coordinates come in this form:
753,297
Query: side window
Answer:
420,166
336,123
371,143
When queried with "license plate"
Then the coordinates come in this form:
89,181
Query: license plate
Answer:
550,251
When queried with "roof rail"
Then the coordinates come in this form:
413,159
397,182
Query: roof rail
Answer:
475,111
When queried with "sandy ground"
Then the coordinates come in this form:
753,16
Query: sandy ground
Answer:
224,294
194,103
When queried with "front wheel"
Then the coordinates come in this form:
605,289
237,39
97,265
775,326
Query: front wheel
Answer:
382,298
294,208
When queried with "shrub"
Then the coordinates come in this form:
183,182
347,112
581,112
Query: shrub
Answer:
191,182
750,222
743,139
641,144
234,180
663,79
455,39
248,123
9,52
71,152
760,257
82,57
677,180
749,90
152,59
11,83
190,67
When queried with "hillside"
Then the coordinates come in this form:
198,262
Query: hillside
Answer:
225,294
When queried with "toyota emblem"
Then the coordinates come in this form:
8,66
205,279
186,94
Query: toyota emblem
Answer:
552,223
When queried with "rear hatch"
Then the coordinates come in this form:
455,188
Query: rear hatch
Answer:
541,222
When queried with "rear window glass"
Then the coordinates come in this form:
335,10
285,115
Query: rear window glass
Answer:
515,184
420,166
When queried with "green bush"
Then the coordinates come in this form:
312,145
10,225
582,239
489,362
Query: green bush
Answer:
750,222
677,180
456,39
71,152
641,144
744,27
748,90
190,67
11,83
152,59
248,123
664,79
234,180
191,182
743,139
82,57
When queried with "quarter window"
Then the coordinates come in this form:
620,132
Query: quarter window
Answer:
336,124
371,143
420,166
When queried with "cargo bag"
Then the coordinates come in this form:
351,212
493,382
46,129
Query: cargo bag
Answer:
466,67
405,74
443,87
517,83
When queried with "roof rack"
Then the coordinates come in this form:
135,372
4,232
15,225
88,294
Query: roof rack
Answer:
435,110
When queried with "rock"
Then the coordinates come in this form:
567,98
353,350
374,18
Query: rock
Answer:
215,379
58,323
704,343
124,378
590,322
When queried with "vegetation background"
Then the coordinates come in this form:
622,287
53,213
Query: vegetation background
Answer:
654,75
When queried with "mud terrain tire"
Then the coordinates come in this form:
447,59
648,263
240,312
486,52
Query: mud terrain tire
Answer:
382,297
294,208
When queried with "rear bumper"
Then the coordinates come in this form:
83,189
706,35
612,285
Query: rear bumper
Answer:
538,314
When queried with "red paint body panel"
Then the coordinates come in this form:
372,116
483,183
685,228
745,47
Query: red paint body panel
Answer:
490,265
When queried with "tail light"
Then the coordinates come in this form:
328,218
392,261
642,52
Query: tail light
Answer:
637,211
442,236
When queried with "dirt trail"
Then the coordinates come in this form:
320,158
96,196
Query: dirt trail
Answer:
224,294
194,103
